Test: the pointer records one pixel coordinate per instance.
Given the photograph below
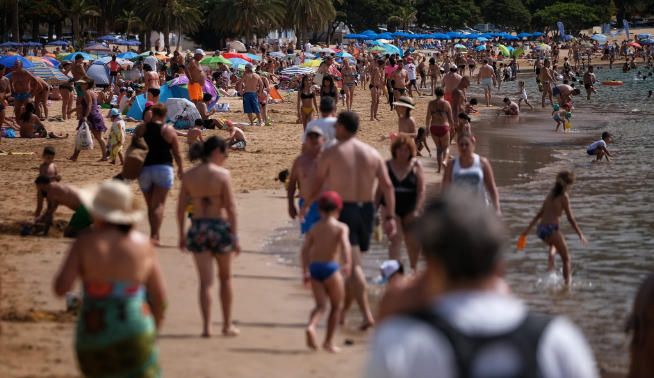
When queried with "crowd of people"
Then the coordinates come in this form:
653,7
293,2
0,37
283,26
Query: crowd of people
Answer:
342,187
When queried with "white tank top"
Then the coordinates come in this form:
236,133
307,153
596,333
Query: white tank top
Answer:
471,178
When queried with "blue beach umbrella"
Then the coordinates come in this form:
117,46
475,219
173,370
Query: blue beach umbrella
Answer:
482,39
10,60
238,61
10,44
601,38
344,54
128,55
480,48
58,43
254,57
85,56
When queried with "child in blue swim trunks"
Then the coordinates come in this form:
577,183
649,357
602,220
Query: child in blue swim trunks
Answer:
556,202
323,244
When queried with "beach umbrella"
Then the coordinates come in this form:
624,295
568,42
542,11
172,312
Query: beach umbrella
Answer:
99,73
85,56
108,38
215,60
482,39
480,48
181,110
255,57
518,52
237,46
601,38
504,50
644,36
10,61
128,55
460,47
238,56
97,48
50,58
309,55
277,54
10,44
544,46
648,42
377,49
296,70
239,61
32,44
524,35
536,34
344,54
391,49
58,43
50,74
120,61
635,44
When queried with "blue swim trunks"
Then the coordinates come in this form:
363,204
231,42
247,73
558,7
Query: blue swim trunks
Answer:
250,103
312,217
22,96
321,271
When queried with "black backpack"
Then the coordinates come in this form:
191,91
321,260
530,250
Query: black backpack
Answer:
524,339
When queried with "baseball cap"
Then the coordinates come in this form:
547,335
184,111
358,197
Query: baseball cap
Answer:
330,201
114,112
248,66
199,52
388,268
315,129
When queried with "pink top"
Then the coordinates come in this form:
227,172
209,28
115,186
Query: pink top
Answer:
388,70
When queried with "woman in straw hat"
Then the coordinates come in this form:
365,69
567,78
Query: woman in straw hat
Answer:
207,188
116,327
406,123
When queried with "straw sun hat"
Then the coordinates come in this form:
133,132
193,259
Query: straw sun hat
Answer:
405,101
113,202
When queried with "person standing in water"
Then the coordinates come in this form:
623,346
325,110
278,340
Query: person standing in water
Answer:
556,202
207,187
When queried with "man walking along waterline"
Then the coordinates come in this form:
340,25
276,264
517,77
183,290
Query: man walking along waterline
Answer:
354,169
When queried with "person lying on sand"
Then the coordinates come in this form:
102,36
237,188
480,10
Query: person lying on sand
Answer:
62,194
323,244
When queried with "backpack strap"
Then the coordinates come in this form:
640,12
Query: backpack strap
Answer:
525,340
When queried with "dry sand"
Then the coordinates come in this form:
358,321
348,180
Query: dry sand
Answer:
271,305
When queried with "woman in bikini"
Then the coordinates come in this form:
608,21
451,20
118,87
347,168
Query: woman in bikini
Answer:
556,202
422,71
30,126
306,101
328,88
439,122
349,82
207,188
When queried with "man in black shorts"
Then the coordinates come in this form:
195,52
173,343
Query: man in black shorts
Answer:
354,169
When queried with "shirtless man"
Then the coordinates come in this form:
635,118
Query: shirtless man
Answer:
399,80
41,93
451,81
249,86
547,79
151,79
22,83
303,175
376,86
487,79
79,73
589,80
354,170
564,93
196,77
5,92
62,194
510,107
459,96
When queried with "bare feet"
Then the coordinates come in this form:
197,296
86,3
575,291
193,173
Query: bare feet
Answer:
231,331
311,338
206,334
331,348
366,325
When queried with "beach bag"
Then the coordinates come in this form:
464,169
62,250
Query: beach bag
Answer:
135,156
84,139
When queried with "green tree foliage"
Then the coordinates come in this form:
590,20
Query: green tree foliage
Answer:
447,13
360,15
511,14
574,16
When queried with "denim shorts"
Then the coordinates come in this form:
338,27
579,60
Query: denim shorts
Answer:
161,175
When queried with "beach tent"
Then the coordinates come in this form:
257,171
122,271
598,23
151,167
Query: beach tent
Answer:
138,106
99,73
127,55
10,61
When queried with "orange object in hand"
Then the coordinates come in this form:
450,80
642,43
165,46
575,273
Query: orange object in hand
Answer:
522,242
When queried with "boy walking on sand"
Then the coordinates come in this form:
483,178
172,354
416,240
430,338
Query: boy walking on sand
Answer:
323,244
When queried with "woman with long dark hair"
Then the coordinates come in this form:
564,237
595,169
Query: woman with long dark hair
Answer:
306,101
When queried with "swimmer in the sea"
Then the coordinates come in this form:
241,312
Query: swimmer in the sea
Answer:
556,202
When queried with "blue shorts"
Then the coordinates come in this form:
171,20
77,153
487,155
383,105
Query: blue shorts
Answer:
22,96
161,175
321,271
312,217
250,103
592,152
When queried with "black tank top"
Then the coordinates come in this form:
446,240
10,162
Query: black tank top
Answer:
406,191
158,149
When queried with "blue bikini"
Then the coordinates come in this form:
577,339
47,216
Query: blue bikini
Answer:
321,271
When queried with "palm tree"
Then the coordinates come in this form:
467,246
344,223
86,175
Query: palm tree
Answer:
188,18
404,17
159,13
76,9
129,18
305,13
248,17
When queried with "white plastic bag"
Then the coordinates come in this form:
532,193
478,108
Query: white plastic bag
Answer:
84,139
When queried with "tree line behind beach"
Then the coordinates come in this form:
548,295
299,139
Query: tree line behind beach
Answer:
211,22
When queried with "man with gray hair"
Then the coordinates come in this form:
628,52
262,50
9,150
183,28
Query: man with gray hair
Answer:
469,326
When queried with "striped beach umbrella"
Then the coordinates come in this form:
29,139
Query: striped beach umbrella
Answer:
297,70
50,74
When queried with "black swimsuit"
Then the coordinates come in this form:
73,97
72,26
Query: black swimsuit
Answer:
406,191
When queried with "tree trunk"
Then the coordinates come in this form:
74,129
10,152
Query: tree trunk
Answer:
76,27
50,30
35,28
59,29
16,22
166,33
179,37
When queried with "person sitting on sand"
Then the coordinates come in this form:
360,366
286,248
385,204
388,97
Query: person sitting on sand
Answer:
323,244
556,202
205,113
32,127
62,194
236,139
471,106
599,148
194,134
510,107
